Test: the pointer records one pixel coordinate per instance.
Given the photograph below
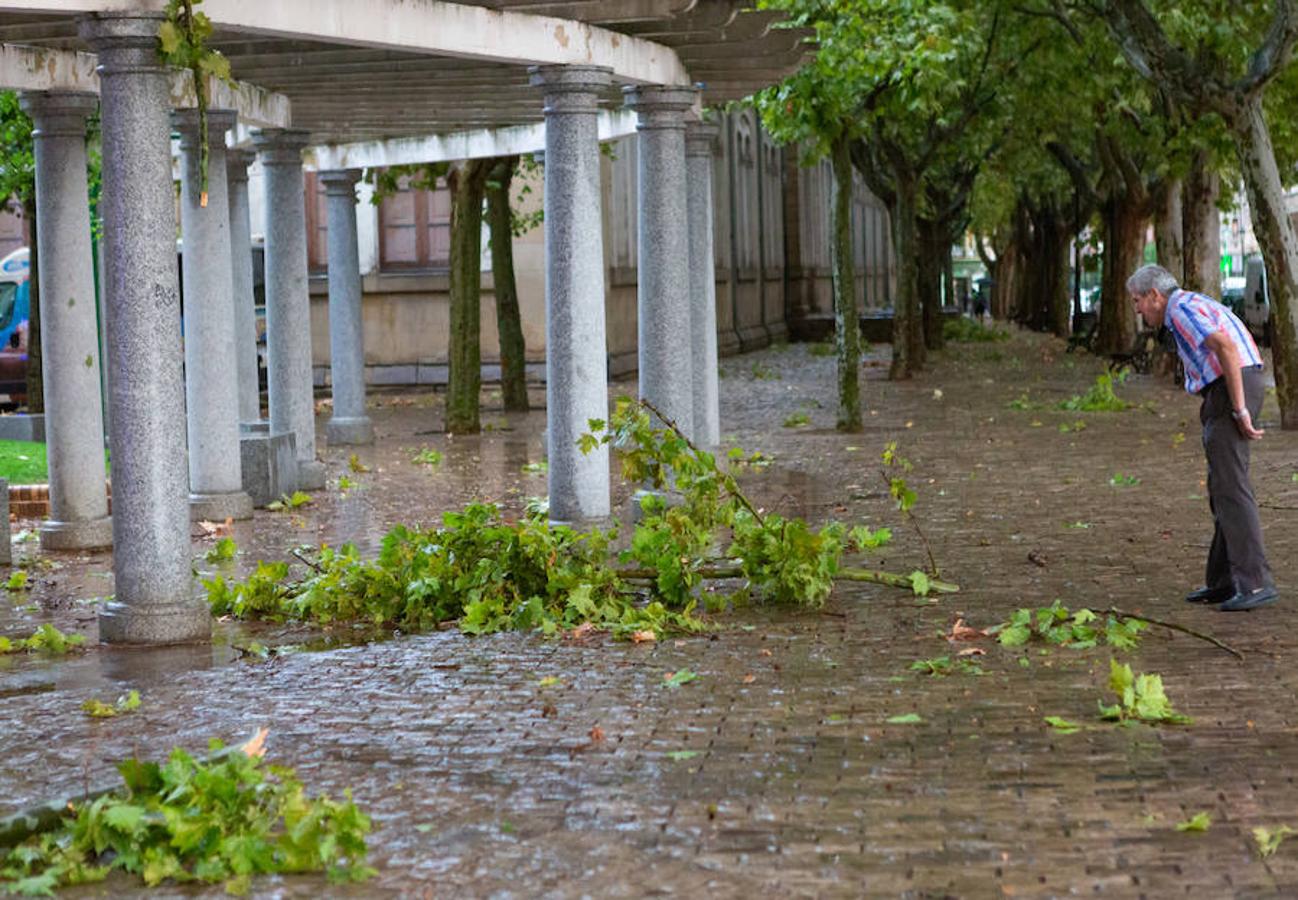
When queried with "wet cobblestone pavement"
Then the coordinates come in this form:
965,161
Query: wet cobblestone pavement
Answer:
775,773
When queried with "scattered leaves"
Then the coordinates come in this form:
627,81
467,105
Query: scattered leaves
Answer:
427,457
678,678
224,550
98,709
1197,823
1268,840
1140,698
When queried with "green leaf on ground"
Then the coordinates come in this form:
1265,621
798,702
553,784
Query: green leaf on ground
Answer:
1268,840
427,457
1199,822
1063,726
676,679
17,581
678,755
98,709
225,549
906,719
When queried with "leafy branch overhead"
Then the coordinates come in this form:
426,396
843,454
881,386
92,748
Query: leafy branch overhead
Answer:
182,39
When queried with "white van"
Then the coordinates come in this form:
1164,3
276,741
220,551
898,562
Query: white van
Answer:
1256,311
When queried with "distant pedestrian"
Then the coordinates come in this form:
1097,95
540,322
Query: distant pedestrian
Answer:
1223,366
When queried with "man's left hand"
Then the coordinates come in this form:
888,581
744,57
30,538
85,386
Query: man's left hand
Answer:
1244,422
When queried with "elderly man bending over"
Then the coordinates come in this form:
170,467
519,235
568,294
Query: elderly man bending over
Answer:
1223,366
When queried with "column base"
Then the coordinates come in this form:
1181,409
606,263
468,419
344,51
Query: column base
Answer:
82,534
350,430
310,474
269,463
219,507
163,623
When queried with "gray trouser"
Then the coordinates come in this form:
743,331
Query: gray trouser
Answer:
1237,558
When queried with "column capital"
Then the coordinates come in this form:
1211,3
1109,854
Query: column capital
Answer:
699,138
237,161
281,146
340,182
659,106
571,89
219,121
125,41
58,113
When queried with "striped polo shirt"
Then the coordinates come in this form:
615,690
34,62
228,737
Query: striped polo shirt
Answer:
1191,318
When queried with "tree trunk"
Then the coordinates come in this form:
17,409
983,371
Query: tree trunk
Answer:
1124,241
1005,276
1168,226
905,362
930,270
509,324
1275,235
1054,282
1200,228
468,182
35,378
847,323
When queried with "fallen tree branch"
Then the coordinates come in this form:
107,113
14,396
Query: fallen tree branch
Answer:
1122,614
910,517
732,486
297,554
47,816
847,573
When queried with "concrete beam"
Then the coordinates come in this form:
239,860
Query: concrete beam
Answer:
40,69
423,26
477,144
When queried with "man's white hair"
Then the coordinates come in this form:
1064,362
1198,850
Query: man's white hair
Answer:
1152,278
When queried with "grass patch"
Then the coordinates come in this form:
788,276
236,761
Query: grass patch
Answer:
966,330
23,462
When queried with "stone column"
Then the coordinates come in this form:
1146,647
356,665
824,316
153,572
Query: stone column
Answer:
74,425
211,374
349,424
703,283
288,305
245,302
151,557
576,354
666,374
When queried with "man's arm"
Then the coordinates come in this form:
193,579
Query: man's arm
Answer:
1224,349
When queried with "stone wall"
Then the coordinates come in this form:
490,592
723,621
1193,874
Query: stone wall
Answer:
771,232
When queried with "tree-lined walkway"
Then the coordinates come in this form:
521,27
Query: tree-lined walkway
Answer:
520,766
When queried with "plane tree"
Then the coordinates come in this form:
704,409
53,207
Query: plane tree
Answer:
1221,58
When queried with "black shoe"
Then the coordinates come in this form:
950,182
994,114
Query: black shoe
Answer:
1250,599
1209,595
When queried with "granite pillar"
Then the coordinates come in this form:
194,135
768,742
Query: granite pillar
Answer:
663,320
703,283
154,599
211,374
245,301
288,305
70,353
576,383
349,424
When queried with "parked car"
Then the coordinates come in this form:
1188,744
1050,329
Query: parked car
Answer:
14,309
1257,300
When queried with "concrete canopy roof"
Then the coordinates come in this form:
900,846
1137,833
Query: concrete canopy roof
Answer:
356,70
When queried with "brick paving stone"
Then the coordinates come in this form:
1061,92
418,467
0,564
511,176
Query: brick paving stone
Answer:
799,786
